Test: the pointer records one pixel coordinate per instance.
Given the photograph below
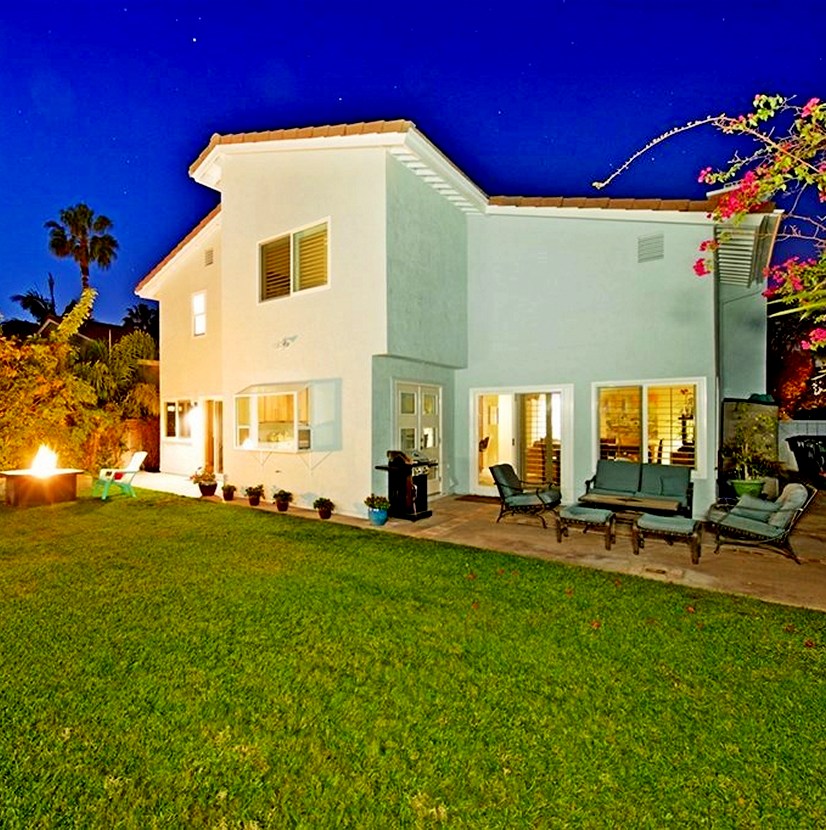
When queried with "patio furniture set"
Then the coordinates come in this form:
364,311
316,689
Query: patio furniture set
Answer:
655,500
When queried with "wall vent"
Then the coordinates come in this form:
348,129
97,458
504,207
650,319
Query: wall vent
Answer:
209,256
650,248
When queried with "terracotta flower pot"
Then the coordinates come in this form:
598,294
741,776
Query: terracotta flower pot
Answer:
283,506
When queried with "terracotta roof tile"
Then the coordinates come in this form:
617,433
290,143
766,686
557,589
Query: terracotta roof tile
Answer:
324,131
704,205
191,235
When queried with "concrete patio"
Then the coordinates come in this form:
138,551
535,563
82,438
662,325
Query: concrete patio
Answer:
760,574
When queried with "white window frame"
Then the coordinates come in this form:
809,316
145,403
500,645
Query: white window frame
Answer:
183,408
247,436
199,314
700,470
293,235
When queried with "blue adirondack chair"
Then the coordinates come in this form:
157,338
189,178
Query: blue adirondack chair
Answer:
109,477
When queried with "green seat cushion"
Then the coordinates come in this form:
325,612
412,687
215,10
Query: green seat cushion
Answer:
617,476
525,500
760,529
677,525
664,480
793,497
592,515
755,508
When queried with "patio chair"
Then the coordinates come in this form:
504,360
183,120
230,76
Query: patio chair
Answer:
760,523
516,496
109,477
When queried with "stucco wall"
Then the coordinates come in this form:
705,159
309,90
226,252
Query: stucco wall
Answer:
564,301
386,372
190,365
327,333
426,271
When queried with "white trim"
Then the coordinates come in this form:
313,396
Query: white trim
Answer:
701,428
566,473
327,222
158,279
198,315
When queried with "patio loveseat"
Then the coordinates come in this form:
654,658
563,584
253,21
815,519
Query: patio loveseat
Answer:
647,488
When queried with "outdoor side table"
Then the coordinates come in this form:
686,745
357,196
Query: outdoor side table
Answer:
671,529
586,517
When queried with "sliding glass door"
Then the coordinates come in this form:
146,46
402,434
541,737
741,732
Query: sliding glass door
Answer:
524,429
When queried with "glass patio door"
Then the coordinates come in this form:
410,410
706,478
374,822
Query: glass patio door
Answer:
523,429
419,426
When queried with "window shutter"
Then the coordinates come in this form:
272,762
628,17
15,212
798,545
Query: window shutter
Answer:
311,258
275,268
671,424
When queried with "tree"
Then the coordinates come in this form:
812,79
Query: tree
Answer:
142,317
787,164
35,304
43,401
83,237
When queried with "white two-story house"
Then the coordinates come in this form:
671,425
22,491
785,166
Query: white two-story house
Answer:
355,292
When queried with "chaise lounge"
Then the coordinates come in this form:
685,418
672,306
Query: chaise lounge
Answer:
760,523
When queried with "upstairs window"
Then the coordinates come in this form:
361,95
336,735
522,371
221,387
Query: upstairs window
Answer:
199,316
294,262
654,422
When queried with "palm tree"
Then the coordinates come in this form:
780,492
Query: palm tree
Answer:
142,317
84,237
33,302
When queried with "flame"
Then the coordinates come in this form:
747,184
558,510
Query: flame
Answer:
45,462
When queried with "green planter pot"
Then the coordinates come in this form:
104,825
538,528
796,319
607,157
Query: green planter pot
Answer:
747,487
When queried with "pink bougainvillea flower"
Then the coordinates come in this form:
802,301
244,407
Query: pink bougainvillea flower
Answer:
810,106
701,268
703,177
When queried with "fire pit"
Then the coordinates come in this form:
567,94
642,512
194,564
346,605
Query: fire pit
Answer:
43,483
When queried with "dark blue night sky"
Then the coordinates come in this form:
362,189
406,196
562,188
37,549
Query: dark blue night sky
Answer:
109,103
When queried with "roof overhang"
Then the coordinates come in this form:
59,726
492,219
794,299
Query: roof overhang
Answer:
400,138
149,286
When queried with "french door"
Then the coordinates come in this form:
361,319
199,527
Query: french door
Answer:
528,430
419,425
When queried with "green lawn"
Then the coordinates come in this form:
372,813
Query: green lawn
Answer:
169,663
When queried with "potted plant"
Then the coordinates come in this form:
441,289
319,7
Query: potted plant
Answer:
254,493
377,507
228,491
324,506
205,478
282,499
749,452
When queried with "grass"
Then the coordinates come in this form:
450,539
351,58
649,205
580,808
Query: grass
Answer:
173,664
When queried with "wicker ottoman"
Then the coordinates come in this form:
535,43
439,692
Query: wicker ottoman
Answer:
586,517
672,529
